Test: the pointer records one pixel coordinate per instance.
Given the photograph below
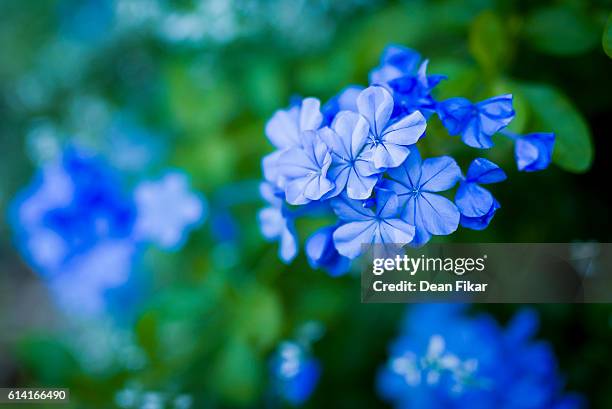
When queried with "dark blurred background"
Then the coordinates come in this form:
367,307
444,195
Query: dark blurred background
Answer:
190,84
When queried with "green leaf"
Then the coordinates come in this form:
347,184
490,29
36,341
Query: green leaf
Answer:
560,31
489,43
607,37
553,112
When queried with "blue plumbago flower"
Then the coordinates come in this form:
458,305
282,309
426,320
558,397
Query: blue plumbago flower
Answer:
362,225
533,152
322,253
304,169
284,130
476,204
345,100
294,372
445,359
351,168
416,183
167,210
400,72
388,141
476,123
357,160
276,223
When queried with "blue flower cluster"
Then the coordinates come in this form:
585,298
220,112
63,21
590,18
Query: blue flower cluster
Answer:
83,233
357,157
446,359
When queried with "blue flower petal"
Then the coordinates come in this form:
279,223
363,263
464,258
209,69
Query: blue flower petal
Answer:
473,200
438,174
482,222
348,210
322,253
350,237
439,215
484,171
375,104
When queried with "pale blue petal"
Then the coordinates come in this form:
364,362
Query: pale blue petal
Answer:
386,204
288,245
438,174
409,173
440,216
353,130
350,210
375,104
283,128
389,155
310,115
350,237
473,200
359,186
413,216
338,173
406,131
396,231
294,191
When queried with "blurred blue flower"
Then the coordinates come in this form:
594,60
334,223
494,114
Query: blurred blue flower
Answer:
362,225
351,168
294,373
415,183
167,210
321,252
388,140
476,204
73,224
400,72
445,359
476,123
276,223
533,152
304,169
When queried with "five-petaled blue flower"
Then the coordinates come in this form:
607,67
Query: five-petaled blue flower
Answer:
476,204
362,225
476,123
446,359
388,141
416,183
533,152
304,169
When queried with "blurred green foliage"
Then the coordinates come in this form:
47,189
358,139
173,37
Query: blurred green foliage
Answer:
216,310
